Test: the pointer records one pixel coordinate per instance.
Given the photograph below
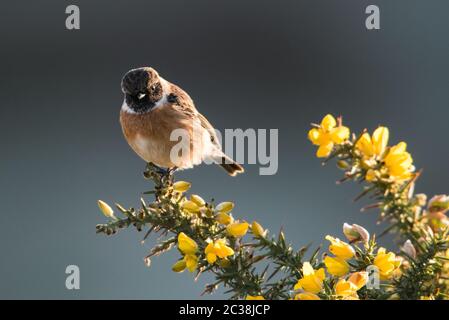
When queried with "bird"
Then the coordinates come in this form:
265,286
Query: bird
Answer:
153,108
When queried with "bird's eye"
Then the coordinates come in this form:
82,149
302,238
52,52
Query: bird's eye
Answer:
141,95
153,87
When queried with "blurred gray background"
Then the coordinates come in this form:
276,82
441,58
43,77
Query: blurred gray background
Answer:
247,64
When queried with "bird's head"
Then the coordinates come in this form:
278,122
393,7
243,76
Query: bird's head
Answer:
142,88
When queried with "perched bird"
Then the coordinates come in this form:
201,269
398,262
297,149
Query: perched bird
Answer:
152,109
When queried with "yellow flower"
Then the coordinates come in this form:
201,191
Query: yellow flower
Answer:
399,162
340,248
387,263
345,289
336,266
312,280
306,296
225,207
375,145
328,122
179,266
181,186
191,261
190,206
186,244
370,175
106,209
248,297
218,249
197,200
224,218
257,230
380,140
359,279
327,135
237,229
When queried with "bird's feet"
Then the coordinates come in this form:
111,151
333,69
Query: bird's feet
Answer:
163,175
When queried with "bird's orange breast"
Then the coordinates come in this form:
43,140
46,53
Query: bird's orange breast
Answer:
149,134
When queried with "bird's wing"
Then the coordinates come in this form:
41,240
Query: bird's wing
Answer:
185,104
210,129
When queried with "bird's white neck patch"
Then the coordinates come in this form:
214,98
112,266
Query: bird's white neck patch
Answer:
126,108
160,103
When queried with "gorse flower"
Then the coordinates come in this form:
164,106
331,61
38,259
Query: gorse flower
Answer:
186,245
312,280
399,162
197,200
237,229
191,262
224,218
224,207
189,248
336,266
347,289
340,248
190,206
327,135
387,263
359,279
375,145
217,248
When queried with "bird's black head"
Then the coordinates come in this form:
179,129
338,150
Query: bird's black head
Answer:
142,88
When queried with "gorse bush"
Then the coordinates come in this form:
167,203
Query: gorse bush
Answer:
252,264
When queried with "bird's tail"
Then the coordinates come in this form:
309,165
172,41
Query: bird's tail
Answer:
231,167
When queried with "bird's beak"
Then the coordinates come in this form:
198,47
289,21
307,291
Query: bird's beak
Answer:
141,95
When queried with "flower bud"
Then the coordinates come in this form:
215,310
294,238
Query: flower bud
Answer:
224,218
409,249
190,206
439,203
106,209
355,233
257,230
342,164
420,199
179,266
198,200
181,186
225,207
